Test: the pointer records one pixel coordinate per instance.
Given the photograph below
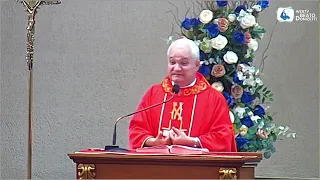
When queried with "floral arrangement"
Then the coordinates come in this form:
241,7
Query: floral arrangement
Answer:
228,34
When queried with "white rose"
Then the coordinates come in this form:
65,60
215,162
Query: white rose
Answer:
206,16
247,21
253,44
218,86
232,17
230,57
231,117
257,8
250,113
219,42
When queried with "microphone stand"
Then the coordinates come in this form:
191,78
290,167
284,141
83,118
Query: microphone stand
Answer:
175,90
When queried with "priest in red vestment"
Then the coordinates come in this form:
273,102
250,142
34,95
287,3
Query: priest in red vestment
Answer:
198,116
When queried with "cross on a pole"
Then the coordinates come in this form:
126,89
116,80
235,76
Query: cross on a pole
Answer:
31,7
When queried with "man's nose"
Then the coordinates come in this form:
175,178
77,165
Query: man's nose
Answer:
177,67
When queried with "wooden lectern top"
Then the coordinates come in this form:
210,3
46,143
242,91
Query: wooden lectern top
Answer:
238,157
117,165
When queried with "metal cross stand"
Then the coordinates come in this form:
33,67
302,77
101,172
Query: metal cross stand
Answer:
31,8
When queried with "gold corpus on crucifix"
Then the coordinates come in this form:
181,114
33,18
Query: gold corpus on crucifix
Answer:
31,7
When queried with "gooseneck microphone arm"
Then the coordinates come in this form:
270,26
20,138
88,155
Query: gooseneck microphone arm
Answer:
175,90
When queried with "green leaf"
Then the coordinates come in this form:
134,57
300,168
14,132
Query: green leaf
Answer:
237,121
249,136
267,154
264,89
267,92
201,36
252,131
258,88
271,148
187,34
264,144
260,148
238,125
252,148
259,95
263,100
245,147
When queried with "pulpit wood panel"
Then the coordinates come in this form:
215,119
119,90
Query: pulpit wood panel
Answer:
128,166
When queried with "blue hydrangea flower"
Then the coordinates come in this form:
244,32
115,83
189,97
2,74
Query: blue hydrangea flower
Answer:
239,8
236,79
228,98
189,23
263,4
240,141
212,29
259,111
202,55
246,98
221,3
247,121
238,37
204,70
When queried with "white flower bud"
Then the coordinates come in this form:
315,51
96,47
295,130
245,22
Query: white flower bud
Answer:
232,17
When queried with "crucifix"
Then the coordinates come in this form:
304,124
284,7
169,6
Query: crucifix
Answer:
31,7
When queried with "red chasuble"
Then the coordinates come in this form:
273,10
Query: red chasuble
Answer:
200,111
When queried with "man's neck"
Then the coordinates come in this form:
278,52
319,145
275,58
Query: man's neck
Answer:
189,85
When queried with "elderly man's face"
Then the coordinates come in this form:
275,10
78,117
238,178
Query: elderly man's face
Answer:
182,67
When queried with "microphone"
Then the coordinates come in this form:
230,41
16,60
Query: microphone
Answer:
175,90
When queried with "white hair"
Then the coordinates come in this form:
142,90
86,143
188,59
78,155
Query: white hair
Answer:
192,45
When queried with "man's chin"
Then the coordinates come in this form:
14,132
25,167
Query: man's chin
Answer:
177,76
177,80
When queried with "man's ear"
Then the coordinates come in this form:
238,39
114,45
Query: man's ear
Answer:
198,64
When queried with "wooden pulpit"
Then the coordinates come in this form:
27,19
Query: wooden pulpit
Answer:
166,166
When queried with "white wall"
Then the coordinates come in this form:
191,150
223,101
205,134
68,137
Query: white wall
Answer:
93,61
